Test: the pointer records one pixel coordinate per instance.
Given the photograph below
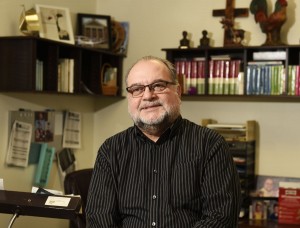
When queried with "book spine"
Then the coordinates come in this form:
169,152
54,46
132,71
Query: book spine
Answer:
201,77
297,81
180,67
188,70
193,85
226,77
211,77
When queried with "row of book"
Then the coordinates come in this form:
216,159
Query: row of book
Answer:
191,75
265,78
270,78
65,80
294,80
225,76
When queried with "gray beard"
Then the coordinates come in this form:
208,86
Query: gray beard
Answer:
156,128
160,125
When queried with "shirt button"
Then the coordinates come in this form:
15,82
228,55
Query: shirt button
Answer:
154,197
153,224
155,171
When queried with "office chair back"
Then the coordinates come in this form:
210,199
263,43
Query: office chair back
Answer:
77,183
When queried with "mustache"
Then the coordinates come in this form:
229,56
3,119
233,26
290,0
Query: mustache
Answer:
150,104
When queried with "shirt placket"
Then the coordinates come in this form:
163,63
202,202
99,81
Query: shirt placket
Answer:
154,192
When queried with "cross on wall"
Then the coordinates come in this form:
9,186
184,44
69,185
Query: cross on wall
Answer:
229,13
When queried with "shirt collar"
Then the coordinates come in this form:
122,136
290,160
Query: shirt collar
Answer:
169,133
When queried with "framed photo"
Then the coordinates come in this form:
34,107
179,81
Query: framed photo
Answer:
55,23
258,210
94,31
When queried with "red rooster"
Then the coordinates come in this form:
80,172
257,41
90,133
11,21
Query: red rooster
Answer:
271,25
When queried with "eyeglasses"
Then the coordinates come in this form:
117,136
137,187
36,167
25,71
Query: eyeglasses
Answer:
156,87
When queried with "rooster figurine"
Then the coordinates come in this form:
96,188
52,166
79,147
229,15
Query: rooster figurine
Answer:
270,25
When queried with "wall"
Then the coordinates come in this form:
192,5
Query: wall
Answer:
155,25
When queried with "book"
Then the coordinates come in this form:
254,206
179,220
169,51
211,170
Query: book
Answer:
228,126
269,55
220,57
200,77
44,165
236,79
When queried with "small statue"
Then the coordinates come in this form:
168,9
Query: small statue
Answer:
184,42
204,41
270,24
234,37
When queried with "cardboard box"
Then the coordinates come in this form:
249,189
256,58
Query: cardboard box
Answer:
289,204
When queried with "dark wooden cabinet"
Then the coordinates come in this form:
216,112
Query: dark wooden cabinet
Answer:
245,55
20,54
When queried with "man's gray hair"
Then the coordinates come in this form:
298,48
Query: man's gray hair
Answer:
170,66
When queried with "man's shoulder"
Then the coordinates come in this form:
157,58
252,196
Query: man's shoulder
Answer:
129,132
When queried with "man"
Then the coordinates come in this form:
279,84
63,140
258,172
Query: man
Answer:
165,171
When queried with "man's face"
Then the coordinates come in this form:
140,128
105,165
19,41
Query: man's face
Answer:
152,108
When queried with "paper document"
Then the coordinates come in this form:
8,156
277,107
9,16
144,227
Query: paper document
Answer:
1,184
19,144
72,130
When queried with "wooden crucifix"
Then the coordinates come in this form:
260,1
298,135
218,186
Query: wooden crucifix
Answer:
231,35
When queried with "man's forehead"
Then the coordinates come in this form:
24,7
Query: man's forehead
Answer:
147,69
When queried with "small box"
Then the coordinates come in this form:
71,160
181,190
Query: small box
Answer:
289,204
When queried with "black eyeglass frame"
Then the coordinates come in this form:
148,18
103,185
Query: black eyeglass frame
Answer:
151,87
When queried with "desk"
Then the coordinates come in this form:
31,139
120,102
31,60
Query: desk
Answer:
263,223
32,204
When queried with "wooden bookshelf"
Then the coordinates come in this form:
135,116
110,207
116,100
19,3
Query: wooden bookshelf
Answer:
245,55
20,54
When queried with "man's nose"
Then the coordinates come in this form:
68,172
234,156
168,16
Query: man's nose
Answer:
148,92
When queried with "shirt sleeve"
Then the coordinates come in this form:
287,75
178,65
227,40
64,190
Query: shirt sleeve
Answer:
102,206
221,192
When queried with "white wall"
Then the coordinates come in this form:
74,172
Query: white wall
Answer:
155,25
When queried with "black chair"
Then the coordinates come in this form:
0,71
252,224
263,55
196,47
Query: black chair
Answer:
77,183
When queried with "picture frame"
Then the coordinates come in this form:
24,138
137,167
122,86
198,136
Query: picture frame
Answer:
258,210
94,31
55,23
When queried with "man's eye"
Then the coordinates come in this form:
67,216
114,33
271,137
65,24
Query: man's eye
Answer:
137,89
158,85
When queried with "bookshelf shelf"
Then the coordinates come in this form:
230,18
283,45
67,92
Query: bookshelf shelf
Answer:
210,78
20,72
242,98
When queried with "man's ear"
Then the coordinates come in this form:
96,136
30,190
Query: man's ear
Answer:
179,90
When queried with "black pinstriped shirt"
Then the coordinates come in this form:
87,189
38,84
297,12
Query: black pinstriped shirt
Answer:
186,179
